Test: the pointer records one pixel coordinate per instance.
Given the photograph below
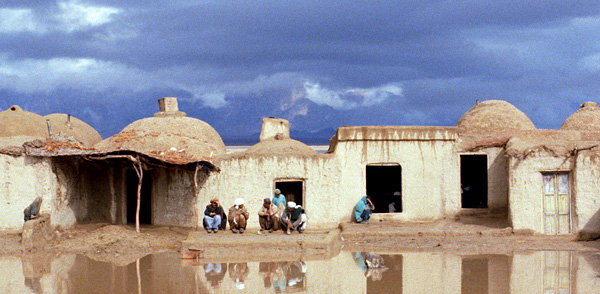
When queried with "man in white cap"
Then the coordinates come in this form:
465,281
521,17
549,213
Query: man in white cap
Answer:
238,216
293,218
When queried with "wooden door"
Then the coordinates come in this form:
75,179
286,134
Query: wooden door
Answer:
557,203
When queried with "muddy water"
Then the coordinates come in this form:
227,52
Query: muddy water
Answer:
408,272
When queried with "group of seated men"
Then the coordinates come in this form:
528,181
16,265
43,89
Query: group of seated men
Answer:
273,214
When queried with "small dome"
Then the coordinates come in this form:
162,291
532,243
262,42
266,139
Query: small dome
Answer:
587,118
494,116
15,122
174,133
276,146
73,127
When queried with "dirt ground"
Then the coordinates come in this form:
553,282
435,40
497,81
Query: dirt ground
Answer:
122,245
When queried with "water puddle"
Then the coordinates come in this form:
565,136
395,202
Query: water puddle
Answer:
348,272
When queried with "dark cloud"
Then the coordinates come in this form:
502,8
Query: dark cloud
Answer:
233,62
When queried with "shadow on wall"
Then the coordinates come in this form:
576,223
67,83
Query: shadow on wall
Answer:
86,187
591,230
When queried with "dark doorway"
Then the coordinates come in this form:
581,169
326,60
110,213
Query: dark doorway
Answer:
473,181
384,186
292,191
145,197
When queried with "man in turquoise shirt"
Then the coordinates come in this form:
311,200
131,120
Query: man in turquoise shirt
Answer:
279,199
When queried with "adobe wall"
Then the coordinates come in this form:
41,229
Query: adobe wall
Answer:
173,198
23,179
586,187
85,192
429,162
497,178
526,208
253,179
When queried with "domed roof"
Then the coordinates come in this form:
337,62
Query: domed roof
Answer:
277,146
587,118
494,116
174,133
18,126
73,127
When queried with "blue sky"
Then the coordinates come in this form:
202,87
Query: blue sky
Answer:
319,64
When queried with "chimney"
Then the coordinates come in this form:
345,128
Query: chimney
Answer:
277,128
168,107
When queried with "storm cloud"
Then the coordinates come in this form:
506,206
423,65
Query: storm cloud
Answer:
320,64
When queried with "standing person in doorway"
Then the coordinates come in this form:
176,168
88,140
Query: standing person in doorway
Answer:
279,199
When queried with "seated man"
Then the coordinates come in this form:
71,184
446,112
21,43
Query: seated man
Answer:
363,210
213,216
268,216
293,218
238,215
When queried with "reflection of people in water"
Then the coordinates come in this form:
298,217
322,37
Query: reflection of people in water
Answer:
238,273
360,261
34,284
215,272
363,259
294,273
272,274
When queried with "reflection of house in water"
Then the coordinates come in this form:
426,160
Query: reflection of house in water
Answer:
494,161
409,272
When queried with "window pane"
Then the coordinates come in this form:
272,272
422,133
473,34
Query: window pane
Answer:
548,184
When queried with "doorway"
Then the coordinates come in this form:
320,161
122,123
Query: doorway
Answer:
145,197
556,204
474,181
384,186
292,189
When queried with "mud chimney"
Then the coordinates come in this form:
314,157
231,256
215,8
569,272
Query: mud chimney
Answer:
168,107
277,128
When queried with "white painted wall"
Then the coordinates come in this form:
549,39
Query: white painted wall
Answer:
526,184
430,174
497,178
253,179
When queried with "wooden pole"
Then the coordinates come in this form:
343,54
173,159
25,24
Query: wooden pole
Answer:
196,198
140,172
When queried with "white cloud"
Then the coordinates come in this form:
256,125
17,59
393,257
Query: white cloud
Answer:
38,75
75,16
70,16
351,98
214,99
18,20
591,62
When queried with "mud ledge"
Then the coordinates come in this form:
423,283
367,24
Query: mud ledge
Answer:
122,245
276,246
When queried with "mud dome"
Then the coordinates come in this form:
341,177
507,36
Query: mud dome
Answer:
493,162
